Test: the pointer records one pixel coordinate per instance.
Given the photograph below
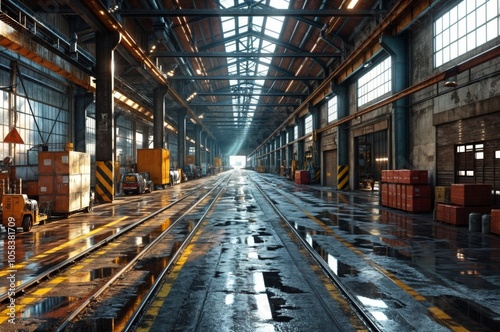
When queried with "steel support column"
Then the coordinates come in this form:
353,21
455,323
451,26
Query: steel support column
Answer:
342,137
316,171
300,145
197,145
181,137
398,49
106,42
145,137
159,117
83,99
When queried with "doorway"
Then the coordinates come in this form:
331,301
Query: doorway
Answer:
371,158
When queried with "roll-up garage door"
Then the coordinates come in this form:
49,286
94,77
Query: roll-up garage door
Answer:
330,168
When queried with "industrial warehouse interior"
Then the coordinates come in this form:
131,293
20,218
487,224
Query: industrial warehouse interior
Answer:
269,165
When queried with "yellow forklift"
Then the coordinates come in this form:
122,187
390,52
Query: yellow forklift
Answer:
17,210
20,211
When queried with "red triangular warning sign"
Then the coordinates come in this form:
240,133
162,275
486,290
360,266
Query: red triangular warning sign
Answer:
13,137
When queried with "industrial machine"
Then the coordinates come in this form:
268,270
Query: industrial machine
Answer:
20,211
137,182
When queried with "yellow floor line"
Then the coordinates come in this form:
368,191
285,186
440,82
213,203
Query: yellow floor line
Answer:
440,315
40,293
70,243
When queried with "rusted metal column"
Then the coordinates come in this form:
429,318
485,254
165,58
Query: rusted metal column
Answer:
82,100
106,42
398,48
181,141
159,117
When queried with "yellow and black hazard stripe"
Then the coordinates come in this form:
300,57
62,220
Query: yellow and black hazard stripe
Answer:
343,177
317,175
104,181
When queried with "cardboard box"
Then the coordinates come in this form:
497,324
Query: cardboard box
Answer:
442,194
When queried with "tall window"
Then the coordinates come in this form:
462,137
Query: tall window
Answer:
332,109
464,27
468,158
308,124
295,132
375,83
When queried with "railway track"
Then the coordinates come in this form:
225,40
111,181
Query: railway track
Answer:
156,225
366,317
119,295
382,300
245,196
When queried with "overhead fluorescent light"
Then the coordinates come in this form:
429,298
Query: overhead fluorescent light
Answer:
352,4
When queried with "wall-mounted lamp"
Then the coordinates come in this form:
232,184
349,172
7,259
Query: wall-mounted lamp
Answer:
451,82
451,78
367,64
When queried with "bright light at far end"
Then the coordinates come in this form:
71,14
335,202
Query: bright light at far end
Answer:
237,161
352,4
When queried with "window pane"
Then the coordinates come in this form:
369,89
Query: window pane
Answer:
480,25
375,83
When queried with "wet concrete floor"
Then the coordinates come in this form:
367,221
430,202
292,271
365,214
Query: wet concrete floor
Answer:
242,273
410,272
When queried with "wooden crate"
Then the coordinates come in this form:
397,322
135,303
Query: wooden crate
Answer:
442,194
302,177
418,204
495,221
413,176
471,194
459,215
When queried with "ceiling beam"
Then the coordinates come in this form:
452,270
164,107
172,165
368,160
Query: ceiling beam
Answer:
251,94
251,12
249,78
244,55
245,104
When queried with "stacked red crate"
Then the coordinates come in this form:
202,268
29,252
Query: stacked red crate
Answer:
408,190
471,194
302,177
464,200
495,221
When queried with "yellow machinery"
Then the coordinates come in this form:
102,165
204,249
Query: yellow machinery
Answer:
20,211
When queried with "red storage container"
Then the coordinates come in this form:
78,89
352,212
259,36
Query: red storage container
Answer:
495,221
471,194
384,176
390,176
392,195
418,204
459,215
442,213
413,176
397,203
385,194
302,177
418,190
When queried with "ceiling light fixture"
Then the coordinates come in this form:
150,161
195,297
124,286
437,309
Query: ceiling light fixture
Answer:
352,4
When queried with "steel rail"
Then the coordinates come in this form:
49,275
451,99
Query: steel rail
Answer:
46,274
358,308
146,302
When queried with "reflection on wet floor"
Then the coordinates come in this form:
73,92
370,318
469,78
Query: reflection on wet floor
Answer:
49,305
456,260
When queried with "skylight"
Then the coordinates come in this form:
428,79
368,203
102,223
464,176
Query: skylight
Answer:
248,32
